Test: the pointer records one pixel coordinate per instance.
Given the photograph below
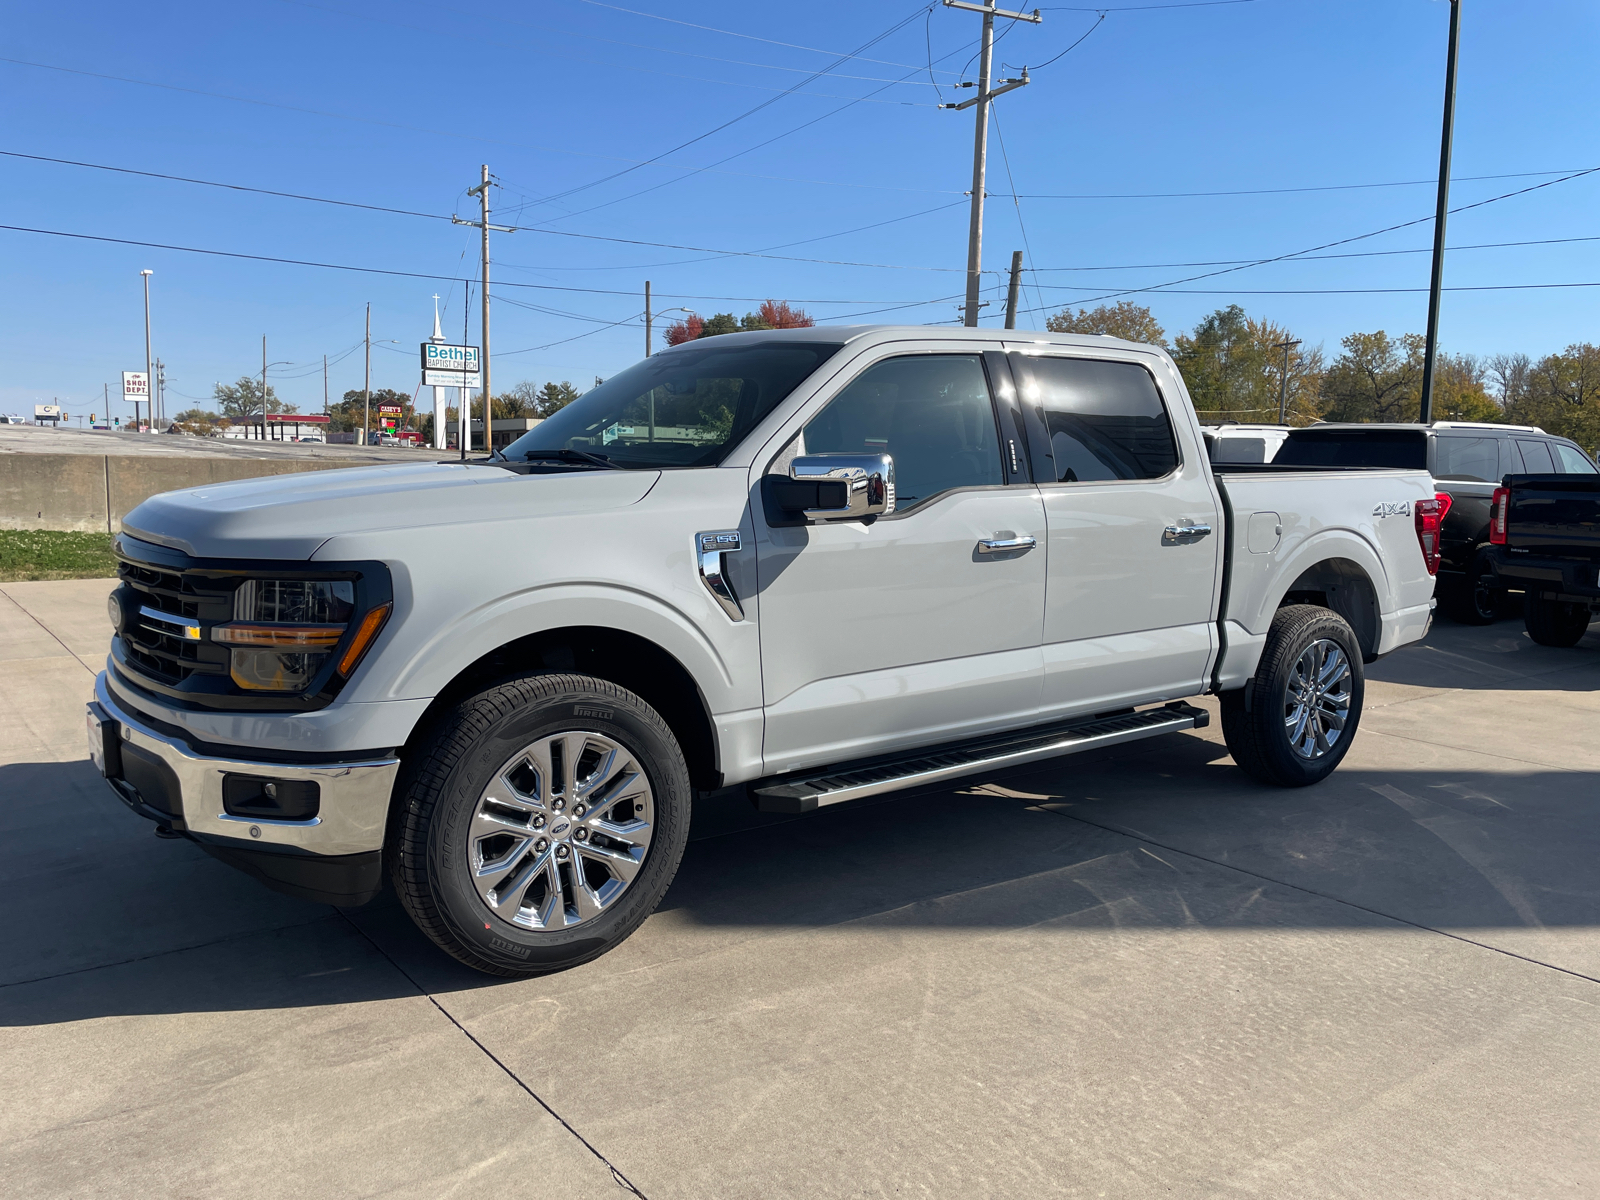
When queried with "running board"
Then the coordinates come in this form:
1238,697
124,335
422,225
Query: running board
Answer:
803,792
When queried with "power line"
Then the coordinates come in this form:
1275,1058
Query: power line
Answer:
1145,7
1229,262
1049,61
856,54
1331,187
1340,242
732,121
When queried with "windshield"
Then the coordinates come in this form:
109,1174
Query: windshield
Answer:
1404,448
681,408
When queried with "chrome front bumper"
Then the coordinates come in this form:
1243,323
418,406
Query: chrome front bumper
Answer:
351,816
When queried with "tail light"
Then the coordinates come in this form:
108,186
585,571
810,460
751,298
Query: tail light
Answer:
1444,504
1497,516
1429,516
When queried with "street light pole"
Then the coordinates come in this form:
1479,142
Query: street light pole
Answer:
1436,283
149,397
366,400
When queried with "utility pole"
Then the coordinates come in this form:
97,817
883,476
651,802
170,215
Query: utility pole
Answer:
647,318
324,385
1436,284
463,422
980,141
366,400
263,387
482,193
161,390
149,397
1011,292
1283,379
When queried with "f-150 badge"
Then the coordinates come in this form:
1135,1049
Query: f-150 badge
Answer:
1399,509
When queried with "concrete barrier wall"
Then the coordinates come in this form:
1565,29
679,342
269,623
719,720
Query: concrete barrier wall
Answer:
94,492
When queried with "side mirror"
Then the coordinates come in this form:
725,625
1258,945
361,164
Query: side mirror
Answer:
838,487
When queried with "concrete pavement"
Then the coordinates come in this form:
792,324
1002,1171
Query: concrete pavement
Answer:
1129,974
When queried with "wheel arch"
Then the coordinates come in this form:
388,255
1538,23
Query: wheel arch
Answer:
619,656
1345,587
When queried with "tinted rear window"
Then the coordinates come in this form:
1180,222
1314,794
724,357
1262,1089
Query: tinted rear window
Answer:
1536,457
1466,458
1400,448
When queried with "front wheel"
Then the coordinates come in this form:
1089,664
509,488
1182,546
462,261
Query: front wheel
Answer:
1293,723
1554,622
543,823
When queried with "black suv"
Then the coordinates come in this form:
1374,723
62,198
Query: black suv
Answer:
1467,460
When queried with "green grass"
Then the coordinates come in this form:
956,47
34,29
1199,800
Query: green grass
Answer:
54,554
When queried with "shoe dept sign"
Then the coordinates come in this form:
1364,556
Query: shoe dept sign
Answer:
449,366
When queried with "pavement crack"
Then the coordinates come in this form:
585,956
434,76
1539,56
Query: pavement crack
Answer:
621,1180
22,609
122,962
1377,912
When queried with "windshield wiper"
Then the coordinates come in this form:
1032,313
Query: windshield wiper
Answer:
566,454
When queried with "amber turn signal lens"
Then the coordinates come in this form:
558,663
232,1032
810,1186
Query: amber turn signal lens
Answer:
366,633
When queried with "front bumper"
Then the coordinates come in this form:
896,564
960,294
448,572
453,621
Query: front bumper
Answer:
334,857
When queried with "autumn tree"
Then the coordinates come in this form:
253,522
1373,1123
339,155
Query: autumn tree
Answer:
1233,366
1460,391
773,314
1124,319
1561,394
241,402
1377,378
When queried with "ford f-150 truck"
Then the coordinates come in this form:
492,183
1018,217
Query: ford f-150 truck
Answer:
1544,535
822,564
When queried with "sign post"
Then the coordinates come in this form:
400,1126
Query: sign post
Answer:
47,412
135,387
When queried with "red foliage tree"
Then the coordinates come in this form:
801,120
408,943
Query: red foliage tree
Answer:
777,314
685,330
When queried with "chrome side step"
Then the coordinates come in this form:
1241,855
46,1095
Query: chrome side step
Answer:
803,792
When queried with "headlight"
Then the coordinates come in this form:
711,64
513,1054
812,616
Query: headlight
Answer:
284,630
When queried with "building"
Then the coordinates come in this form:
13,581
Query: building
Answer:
282,427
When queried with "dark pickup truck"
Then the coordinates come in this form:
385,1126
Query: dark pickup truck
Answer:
1544,537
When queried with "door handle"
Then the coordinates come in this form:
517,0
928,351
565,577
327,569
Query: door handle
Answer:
999,545
1184,535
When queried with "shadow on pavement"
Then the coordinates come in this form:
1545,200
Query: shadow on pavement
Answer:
1117,840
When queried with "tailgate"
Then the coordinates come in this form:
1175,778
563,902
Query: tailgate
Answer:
1554,516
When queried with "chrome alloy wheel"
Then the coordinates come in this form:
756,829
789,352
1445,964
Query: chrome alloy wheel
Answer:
1316,704
561,831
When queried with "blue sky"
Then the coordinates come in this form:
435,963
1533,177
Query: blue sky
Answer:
397,104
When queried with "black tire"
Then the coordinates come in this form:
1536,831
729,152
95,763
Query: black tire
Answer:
1553,622
1255,719
440,822
1472,600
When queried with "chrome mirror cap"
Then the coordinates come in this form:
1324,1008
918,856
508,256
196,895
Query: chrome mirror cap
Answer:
868,481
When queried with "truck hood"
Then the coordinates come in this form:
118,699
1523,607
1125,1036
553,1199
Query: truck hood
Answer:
289,516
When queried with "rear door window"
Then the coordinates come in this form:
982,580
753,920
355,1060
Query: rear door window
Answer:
1092,421
1574,461
1466,458
1536,458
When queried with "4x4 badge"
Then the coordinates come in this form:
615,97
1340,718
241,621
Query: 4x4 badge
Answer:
1400,508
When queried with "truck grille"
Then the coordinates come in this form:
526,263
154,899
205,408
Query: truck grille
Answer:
159,651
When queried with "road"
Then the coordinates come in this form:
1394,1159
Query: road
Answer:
41,439
1133,974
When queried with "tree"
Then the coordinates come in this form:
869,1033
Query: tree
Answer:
345,413
1377,378
520,401
241,402
1561,394
553,397
1459,393
201,422
1232,365
1124,319
773,314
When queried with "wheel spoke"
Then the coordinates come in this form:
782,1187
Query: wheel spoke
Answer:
521,882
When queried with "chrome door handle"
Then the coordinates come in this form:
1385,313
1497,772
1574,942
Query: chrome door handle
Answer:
999,545
1184,535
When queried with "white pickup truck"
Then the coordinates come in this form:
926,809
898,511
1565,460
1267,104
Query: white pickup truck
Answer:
822,564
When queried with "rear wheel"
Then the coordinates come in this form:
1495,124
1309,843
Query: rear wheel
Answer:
1293,723
1474,600
543,824
1553,622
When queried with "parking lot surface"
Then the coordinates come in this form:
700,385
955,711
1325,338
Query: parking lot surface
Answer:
1135,973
